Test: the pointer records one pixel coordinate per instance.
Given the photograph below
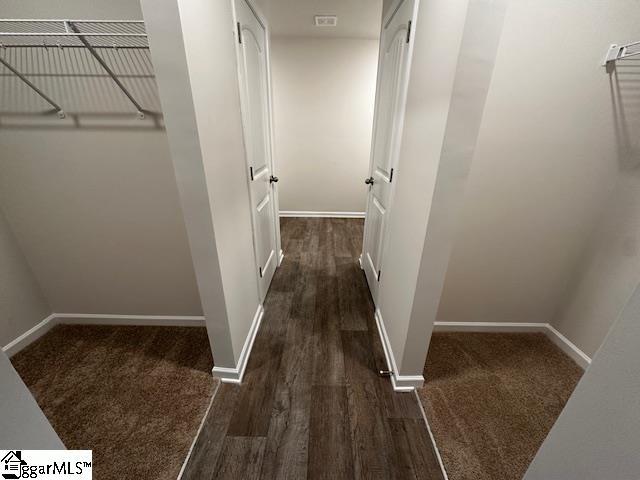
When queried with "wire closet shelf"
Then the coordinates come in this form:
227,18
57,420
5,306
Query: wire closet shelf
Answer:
98,38
618,53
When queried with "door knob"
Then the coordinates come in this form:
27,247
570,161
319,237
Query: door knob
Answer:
273,179
369,181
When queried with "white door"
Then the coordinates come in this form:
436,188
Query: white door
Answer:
393,70
256,115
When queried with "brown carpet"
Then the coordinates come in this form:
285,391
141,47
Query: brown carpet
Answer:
491,399
133,395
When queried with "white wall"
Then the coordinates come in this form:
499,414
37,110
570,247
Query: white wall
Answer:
545,164
609,267
22,304
440,129
323,94
96,209
597,434
216,95
22,423
193,47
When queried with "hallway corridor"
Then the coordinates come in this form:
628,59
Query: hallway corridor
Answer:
311,404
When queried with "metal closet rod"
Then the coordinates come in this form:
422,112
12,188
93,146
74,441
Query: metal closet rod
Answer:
71,30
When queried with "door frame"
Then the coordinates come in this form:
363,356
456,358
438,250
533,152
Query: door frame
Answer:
276,204
395,147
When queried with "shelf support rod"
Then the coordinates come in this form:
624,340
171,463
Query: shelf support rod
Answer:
30,84
106,68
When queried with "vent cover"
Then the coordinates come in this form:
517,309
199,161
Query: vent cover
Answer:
326,20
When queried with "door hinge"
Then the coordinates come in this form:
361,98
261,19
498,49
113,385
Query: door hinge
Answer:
391,175
408,31
251,173
240,32
379,272
260,271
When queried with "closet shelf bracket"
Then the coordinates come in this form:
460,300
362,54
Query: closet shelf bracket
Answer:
33,87
620,52
70,26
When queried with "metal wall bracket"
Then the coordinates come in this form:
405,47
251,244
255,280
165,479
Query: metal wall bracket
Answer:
31,85
620,52
72,27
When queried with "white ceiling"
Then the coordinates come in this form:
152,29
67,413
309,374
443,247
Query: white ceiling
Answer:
356,18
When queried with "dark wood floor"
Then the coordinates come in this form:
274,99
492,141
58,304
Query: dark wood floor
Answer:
311,404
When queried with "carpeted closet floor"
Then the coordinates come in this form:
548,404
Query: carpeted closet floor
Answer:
133,395
491,399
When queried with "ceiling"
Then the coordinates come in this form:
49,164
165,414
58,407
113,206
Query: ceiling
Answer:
294,18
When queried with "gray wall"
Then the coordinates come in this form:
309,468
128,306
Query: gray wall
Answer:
22,423
22,304
597,435
323,95
96,209
545,167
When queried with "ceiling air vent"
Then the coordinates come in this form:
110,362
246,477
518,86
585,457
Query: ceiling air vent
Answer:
326,20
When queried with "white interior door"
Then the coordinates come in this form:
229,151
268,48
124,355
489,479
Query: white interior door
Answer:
393,70
256,115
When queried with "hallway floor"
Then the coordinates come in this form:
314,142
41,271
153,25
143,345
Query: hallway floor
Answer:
311,404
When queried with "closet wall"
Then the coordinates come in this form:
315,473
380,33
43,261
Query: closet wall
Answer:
22,303
95,209
547,223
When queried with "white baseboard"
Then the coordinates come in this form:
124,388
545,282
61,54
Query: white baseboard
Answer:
400,383
300,213
234,375
142,320
554,335
29,336
48,323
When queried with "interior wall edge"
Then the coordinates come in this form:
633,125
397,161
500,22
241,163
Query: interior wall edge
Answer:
562,342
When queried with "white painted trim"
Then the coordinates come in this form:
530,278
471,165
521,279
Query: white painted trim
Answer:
280,258
400,383
234,375
433,439
488,327
195,439
48,323
116,319
569,348
29,336
300,213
